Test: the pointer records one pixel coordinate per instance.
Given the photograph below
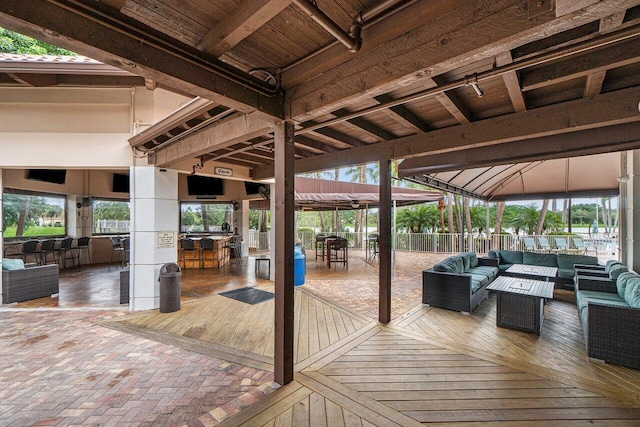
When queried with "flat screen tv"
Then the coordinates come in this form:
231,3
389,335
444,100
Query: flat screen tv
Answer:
252,187
120,183
55,176
204,186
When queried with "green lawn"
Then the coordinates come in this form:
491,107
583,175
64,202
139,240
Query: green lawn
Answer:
35,231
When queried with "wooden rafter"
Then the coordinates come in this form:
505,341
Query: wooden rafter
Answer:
601,60
231,131
605,110
403,115
245,19
495,27
512,83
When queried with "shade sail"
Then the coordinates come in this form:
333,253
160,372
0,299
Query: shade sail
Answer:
584,176
320,194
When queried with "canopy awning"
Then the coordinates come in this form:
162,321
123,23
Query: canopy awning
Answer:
584,176
320,194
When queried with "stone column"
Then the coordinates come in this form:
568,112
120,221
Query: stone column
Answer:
154,229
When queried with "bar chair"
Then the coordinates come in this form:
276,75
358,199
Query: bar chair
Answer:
373,241
82,244
320,241
117,250
126,246
188,246
48,247
235,246
64,249
206,244
30,248
339,252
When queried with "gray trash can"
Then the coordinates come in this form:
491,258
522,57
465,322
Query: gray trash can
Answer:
169,287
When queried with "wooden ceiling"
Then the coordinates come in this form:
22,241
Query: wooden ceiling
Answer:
430,77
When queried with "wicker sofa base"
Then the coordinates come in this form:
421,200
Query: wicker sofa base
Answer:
29,283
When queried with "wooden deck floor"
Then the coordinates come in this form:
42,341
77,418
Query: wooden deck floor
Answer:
428,366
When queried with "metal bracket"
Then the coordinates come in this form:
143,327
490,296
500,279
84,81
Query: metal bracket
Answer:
539,7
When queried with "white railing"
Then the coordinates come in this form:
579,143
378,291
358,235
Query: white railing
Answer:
595,244
112,226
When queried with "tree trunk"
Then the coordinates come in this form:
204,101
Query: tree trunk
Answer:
337,224
564,211
263,241
467,214
205,217
499,211
543,214
22,217
452,228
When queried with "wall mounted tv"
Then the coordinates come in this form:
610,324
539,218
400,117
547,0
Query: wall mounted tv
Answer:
252,187
55,176
120,183
204,186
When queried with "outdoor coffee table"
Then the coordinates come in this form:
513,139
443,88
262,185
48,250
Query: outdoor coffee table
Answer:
532,271
521,302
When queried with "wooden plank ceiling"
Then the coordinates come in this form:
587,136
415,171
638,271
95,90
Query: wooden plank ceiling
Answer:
430,77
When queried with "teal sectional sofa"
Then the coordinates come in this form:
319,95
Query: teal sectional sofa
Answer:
459,282
609,312
564,262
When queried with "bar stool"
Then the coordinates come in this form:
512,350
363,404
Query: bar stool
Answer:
48,247
63,250
339,251
116,249
320,241
82,244
188,246
373,240
207,244
30,248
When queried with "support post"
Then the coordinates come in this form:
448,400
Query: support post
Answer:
384,217
284,241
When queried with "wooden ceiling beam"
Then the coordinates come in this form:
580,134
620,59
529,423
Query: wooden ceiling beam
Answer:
97,31
337,136
245,19
403,115
455,106
313,145
489,27
581,66
235,129
607,109
593,141
593,87
512,82
365,125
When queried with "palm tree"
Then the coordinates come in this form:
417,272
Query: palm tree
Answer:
499,212
526,219
543,213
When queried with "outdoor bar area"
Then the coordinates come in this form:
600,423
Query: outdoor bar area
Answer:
274,213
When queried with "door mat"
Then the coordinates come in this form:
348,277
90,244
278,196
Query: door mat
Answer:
248,295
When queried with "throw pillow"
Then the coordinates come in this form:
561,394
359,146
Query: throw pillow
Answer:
621,283
473,260
610,264
632,293
12,264
616,270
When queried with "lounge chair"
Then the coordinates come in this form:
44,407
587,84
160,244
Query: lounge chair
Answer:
530,244
581,248
544,244
561,245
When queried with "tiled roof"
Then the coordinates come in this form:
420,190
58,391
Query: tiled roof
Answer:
48,59
59,64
